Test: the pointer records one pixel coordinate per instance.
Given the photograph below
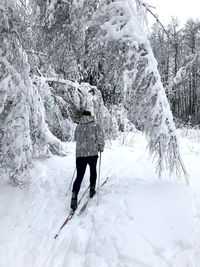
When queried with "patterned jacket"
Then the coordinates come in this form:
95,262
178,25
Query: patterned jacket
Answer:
89,137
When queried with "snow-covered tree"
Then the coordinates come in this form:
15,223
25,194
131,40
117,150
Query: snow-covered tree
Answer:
121,63
24,132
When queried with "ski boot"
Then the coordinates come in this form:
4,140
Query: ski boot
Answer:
74,201
92,191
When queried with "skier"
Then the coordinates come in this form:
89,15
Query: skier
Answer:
89,141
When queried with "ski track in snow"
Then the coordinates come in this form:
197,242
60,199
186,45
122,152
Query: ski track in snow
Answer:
141,221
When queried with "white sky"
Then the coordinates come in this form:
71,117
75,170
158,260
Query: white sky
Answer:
182,9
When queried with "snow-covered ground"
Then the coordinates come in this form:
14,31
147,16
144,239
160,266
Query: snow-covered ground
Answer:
141,221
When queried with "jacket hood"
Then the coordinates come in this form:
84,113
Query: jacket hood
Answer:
87,119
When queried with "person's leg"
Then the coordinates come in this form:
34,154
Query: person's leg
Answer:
92,161
81,164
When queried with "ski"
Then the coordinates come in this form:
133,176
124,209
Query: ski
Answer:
83,208
84,193
72,212
69,217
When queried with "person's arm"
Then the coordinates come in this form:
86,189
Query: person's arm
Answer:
100,138
76,134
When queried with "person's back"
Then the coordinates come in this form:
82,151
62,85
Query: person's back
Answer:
88,137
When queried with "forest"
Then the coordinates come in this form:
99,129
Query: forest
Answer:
177,52
58,57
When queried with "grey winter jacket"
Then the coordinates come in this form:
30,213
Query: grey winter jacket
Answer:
89,137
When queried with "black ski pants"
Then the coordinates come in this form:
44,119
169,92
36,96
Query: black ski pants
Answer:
81,164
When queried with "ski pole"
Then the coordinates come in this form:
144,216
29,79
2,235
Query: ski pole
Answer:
72,179
99,179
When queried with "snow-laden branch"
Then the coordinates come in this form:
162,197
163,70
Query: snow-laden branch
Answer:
148,9
60,80
182,72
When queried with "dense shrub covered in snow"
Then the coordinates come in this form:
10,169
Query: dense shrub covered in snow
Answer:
63,101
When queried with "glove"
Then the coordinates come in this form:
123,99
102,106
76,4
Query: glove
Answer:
100,148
